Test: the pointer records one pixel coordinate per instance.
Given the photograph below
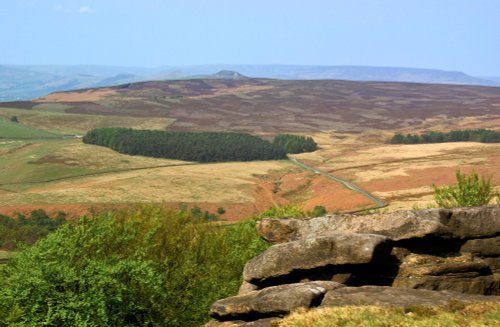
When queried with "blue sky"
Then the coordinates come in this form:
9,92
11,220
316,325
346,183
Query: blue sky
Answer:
445,34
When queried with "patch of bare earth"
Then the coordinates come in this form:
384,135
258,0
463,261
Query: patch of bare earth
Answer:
77,96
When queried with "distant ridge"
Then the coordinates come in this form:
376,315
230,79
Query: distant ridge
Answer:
227,74
29,82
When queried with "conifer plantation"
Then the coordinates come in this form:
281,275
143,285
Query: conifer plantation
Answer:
295,143
188,146
467,135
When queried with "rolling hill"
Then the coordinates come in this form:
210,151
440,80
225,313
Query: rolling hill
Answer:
272,106
28,82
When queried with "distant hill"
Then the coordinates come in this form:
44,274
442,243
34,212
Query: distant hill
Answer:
29,82
228,101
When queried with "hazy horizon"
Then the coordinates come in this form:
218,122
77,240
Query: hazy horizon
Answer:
457,35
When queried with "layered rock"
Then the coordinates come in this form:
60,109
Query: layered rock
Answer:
424,257
463,273
341,249
385,295
402,225
271,301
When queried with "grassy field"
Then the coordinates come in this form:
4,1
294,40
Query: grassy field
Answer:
13,130
67,172
402,175
472,315
49,117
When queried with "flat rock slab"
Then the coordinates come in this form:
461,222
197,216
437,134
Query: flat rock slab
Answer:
477,222
488,247
272,301
341,249
464,273
393,296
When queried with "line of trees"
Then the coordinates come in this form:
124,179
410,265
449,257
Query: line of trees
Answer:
295,143
27,230
467,135
189,146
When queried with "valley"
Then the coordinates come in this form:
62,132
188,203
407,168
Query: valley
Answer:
350,121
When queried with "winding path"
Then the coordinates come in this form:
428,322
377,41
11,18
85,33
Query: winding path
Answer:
350,185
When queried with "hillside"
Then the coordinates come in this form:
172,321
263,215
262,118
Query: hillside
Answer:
271,106
350,122
24,82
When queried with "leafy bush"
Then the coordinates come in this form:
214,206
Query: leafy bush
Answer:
470,191
284,211
318,211
150,266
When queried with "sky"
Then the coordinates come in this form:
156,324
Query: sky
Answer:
457,35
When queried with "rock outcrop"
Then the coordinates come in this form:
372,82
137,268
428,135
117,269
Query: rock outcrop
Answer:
424,257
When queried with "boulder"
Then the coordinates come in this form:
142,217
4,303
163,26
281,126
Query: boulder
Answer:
463,223
464,274
475,222
385,295
487,247
341,249
247,287
273,301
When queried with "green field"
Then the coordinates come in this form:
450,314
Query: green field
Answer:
49,117
13,130
36,161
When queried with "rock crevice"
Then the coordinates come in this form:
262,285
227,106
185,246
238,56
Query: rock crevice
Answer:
423,257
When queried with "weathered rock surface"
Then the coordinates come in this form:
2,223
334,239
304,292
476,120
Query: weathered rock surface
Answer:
385,295
246,288
488,247
464,274
429,257
340,249
402,225
272,301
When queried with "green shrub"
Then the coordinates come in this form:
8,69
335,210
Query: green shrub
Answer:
318,211
150,266
470,191
284,211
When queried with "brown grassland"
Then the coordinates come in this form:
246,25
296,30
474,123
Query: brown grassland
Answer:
350,121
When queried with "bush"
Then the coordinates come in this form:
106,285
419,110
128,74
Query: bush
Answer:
318,211
470,191
150,266
285,211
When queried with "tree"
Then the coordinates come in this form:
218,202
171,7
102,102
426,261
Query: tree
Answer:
146,267
221,211
470,191
14,119
318,211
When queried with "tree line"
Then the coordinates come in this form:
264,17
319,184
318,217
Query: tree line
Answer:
27,230
189,146
295,143
467,135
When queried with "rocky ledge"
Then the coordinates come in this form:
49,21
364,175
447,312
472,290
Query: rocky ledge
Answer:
425,257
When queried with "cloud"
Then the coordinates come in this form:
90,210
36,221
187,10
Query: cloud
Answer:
85,10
